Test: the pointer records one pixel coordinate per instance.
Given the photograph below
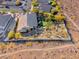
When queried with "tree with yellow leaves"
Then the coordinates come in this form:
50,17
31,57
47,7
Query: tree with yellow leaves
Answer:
53,2
58,8
17,35
11,34
59,17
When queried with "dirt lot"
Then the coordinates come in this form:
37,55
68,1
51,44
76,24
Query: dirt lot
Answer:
61,52
71,8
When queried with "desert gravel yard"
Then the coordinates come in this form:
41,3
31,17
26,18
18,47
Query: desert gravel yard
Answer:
62,52
71,8
55,32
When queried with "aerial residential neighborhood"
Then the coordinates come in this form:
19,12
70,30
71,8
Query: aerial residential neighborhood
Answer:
39,29
33,19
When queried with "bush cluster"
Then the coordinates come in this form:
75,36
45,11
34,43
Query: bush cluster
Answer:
12,34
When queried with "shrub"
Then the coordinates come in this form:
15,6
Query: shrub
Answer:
59,17
48,16
68,24
73,17
54,12
35,10
58,8
53,3
11,35
3,11
47,24
17,35
12,11
29,44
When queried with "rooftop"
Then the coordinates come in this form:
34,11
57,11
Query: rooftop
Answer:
43,1
4,20
45,7
29,20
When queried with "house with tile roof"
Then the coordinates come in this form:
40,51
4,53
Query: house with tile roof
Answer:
27,21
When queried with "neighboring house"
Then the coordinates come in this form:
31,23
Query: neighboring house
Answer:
11,4
27,21
7,23
45,7
43,1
